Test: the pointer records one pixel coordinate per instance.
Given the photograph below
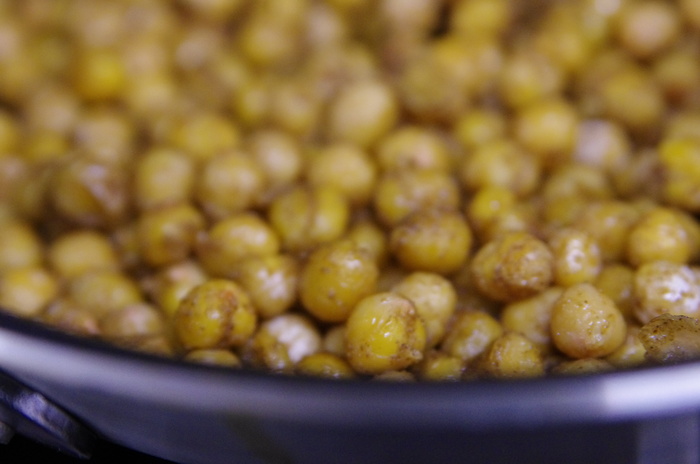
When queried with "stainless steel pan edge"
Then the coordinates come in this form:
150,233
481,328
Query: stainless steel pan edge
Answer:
127,397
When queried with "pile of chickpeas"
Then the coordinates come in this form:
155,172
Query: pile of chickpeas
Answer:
390,189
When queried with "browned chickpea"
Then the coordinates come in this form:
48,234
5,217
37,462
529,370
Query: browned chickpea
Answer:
167,235
513,266
586,323
512,355
325,365
305,217
532,316
413,147
81,251
163,177
659,235
432,241
222,248
103,291
399,195
577,257
501,163
215,314
383,333
664,287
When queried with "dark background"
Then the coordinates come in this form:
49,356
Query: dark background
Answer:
21,450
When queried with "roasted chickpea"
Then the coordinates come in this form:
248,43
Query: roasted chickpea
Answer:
665,287
470,334
384,333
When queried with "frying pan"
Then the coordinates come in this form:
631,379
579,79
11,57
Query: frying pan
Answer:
203,414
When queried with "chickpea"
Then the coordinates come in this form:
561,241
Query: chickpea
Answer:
659,235
501,163
470,334
513,266
306,217
104,291
325,365
163,177
65,315
435,300
586,323
617,282
170,284
413,147
26,291
671,338
532,316
20,246
335,278
648,27
384,333
665,287
433,242
140,319
229,183
678,158
271,282
213,357
512,356
438,366
631,353
279,155
215,314
577,257
287,339
362,113
585,366
399,195
167,235
222,249
81,251
478,127
345,167
203,135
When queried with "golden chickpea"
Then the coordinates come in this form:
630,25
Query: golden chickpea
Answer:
617,282
532,316
372,238
495,210
229,183
679,160
513,266
334,340
66,315
345,167
413,147
213,357
586,323
296,333
399,195
671,338
20,246
658,236
167,235
664,287
271,282
527,76
438,366
335,278
548,129
631,353
362,113
648,27
306,217
222,249
26,291
325,365
432,241
480,18
470,334
90,194
171,284
609,223
106,136
512,355
677,72
577,257
103,291
478,127
633,98
215,314
203,135
384,333
136,320
163,177
435,300
602,144
81,251
9,133
501,163
279,155
99,74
